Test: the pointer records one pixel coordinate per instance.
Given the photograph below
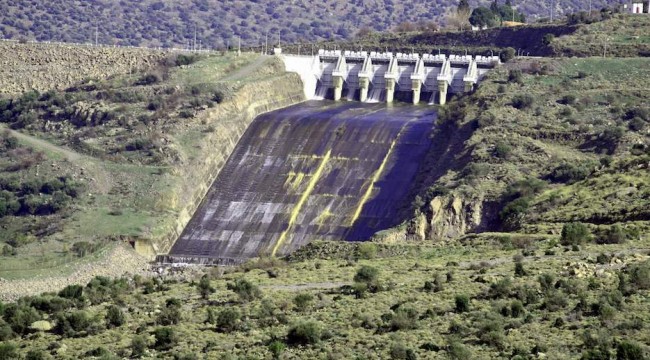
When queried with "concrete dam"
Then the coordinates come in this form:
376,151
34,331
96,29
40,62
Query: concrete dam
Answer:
316,170
328,169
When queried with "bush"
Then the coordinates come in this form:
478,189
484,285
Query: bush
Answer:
367,250
76,324
626,350
305,333
508,54
614,235
453,113
399,351
276,348
72,292
461,303
367,275
404,318
166,338
171,314
246,290
513,213
114,317
218,97
457,351
571,173
183,59
515,76
138,346
575,234
9,351
640,276
569,99
303,301
36,355
522,102
501,289
502,150
205,287
519,270
228,319
148,79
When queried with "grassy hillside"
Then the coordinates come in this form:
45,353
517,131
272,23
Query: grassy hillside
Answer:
217,23
108,160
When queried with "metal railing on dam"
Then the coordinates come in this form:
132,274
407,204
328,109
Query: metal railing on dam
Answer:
376,76
316,170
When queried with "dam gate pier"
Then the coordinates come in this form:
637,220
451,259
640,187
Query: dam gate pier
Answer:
385,76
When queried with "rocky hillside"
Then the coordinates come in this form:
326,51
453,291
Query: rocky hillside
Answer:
218,23
46,67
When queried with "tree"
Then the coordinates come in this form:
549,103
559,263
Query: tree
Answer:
305,333
483,17
228,319
246,290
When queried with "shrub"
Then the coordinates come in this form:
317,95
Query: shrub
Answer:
36,355
575,234
513,213
515,76
9,351
404,318
276,348
218,96
166,338
72,292
516,308
303,301
305,333
138,346
502,150
228,319
461,303
367,275
114,316
501,289
614,235
171,314
148,79
523,101
183,59
205,287
246,290
457,351
571,173
569,99
640,276
76,324
508,54
626,350
367,250
546,282
548,39
519,270
399,351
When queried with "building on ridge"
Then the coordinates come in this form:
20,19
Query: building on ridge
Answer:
640,7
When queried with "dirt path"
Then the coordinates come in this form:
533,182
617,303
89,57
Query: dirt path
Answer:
306,286
248,69
44,145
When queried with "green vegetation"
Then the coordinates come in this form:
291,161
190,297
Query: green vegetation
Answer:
483,310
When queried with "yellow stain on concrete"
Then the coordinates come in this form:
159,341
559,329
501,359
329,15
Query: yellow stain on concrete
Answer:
373,180
376,176
303,199
294,180
322,218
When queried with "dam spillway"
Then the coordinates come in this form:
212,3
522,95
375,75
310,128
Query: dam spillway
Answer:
317,170
383,77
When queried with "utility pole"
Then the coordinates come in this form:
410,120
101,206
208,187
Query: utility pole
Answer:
194,46
96,34
239,45
266,43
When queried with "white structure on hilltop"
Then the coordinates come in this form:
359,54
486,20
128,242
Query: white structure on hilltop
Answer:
638,6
